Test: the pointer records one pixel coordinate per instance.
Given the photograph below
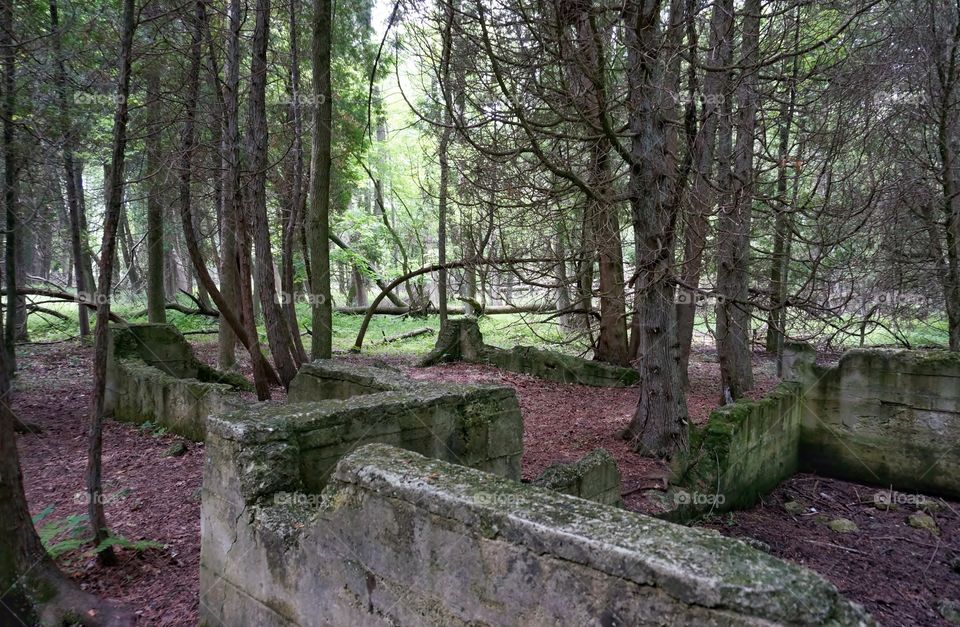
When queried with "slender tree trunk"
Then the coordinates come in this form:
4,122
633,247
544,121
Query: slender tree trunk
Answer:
114,208
319,227
156,311
278,335
733,254
10,166
701,196
294,215
443,149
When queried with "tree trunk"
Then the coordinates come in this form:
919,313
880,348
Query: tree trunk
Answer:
319,226
285,358
10,166
156,301
701,196
733,225
659,426
114,208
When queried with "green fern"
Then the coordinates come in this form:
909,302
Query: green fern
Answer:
66,535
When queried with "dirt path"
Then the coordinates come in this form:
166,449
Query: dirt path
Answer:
899,573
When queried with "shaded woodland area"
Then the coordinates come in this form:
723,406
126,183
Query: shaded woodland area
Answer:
626,181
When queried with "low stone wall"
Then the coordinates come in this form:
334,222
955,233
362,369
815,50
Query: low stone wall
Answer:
152,375
461,340
398,539
885,417
594,477
296,446
743,451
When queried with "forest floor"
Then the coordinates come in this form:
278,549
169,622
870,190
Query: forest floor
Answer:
899,573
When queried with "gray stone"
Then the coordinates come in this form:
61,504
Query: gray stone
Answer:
176,449
950,610
794,507
843,525
922,521
399,539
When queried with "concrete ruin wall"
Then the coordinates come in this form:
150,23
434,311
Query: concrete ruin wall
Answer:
743,451
460,340
399,539
886,417
330,379
882,417
594,477
152,375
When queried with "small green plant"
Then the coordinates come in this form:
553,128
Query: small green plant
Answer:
60,536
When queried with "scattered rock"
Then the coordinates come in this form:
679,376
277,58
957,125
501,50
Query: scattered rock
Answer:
760,545
794,507
843,525
884,502
922,521
950,610
176,449
929,506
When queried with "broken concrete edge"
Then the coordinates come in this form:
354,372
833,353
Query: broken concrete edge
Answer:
461,340
742,452
594,477
695,567
325,379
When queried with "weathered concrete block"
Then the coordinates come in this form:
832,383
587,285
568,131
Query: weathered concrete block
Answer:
153,375
594,477
329,378
399,539
461,340
886,417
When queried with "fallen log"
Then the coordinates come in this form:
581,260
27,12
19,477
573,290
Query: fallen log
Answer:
490,310
407,335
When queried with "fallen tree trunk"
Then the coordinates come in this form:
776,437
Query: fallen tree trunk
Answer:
374,306
407,335
64,296
489,310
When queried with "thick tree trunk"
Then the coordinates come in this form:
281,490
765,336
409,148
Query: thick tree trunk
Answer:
318,225
733,225
659,426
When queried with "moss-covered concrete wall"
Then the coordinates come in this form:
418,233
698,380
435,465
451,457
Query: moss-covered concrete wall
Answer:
399,539
743,451
594,477
152,375
461,340
885,417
